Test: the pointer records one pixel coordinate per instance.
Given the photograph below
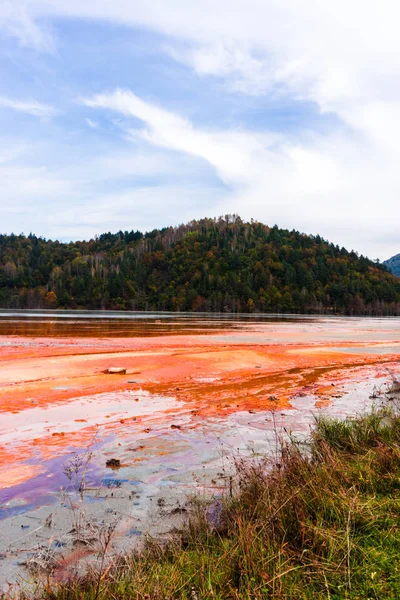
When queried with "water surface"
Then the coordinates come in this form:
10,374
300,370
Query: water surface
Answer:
198,390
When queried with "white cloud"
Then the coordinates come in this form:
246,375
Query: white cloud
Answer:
142,207
91,124
312,184
17,22
232,153
30,107
113,189
342,56
329,52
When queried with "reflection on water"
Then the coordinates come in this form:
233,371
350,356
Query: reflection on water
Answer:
124,324
80,413
117,324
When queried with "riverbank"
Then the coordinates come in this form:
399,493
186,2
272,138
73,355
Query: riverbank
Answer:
189,403
321,521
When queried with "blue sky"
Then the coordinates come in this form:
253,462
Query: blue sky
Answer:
135,115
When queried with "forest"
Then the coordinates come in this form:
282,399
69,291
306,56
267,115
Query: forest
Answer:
213,265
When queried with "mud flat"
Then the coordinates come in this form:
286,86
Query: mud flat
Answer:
188,396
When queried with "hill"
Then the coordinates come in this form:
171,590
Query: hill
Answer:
220,264
393,264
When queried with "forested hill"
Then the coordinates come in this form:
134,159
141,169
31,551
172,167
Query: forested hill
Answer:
220,264
393,264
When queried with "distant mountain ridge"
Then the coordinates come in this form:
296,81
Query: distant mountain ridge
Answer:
211,265
393,264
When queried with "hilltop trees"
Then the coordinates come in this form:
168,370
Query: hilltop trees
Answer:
220,264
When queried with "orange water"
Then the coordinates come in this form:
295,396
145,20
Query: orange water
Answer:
56,395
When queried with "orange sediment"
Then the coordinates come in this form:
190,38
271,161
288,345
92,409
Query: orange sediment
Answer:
210,376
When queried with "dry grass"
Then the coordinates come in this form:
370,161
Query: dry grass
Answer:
321,523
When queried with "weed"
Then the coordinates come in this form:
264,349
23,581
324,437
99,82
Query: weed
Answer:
323,522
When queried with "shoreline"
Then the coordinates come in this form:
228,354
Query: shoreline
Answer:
186,403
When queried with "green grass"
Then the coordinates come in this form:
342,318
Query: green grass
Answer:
323,523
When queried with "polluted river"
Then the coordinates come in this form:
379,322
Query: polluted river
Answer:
113,421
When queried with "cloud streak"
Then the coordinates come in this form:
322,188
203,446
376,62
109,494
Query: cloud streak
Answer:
16,21
30,107
332,53
232,153
310,183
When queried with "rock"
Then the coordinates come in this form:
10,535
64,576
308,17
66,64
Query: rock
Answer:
114,463
116,371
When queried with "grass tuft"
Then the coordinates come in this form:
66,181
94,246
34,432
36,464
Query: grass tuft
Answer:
323,523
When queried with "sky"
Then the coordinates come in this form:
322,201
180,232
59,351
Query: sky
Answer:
133,114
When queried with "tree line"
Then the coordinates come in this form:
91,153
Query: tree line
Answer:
224,265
